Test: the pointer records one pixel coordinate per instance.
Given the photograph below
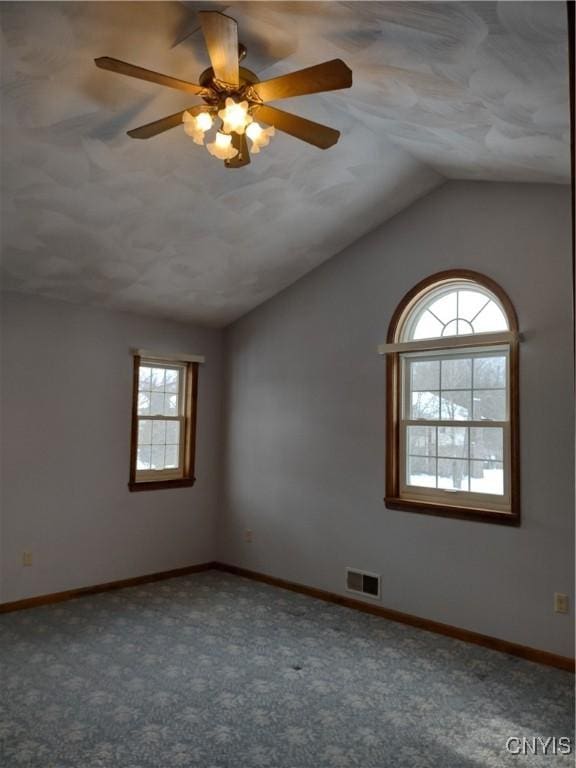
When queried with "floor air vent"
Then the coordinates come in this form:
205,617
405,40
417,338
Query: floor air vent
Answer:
362,582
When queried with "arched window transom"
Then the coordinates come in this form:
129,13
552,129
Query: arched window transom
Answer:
456,309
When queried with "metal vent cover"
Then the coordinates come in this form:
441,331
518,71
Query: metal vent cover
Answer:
363,582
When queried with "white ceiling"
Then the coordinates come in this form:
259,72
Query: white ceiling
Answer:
474,90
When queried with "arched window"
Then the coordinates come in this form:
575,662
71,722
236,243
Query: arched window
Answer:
452,400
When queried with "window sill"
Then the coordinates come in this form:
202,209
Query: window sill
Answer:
156,485
460,513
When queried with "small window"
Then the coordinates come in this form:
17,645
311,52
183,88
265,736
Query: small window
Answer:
163,423
452,446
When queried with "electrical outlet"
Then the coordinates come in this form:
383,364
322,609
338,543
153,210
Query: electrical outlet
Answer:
248,536
26,558
560,602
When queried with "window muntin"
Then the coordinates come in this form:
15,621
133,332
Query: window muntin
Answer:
452,433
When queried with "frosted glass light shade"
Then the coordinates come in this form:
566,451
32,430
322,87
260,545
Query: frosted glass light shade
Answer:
222,147
259,136
235,116
196,126
204,121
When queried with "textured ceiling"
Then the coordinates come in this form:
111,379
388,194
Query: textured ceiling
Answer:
457,89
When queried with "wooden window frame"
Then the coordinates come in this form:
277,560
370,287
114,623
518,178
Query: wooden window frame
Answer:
186,477
395,498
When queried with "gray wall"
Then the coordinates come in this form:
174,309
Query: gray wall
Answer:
66,404
305,414
304,431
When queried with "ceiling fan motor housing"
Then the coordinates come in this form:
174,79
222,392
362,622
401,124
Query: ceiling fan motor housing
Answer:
246,76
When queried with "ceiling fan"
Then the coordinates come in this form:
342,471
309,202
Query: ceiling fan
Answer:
237,98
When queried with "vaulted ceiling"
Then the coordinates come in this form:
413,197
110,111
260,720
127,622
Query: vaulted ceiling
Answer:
466,90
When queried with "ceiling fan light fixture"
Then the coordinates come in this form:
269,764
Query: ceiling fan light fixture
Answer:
196,126
259,136
204,121
222,147
235,116
233,94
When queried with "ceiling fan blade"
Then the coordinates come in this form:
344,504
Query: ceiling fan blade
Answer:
329,76
314,133
221,36
243,156
123,68
164,124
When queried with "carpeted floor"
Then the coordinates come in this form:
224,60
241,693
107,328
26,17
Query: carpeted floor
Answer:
214,671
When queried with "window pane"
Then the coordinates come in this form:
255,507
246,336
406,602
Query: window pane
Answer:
456,405
143,457
453,442
487,443
425,374
487,477
171,380
425,405
161,421
157,404
490,404
144,403
454,311
171,405
490,318
159,433
144,432
464,327
457,373
422,441
470,303
171,457
453,474
157,457
144,375
421,472
173,432
490,372
427,327
158,379
445,307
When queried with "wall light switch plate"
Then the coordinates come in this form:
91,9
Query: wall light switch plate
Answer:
248,536
26,558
